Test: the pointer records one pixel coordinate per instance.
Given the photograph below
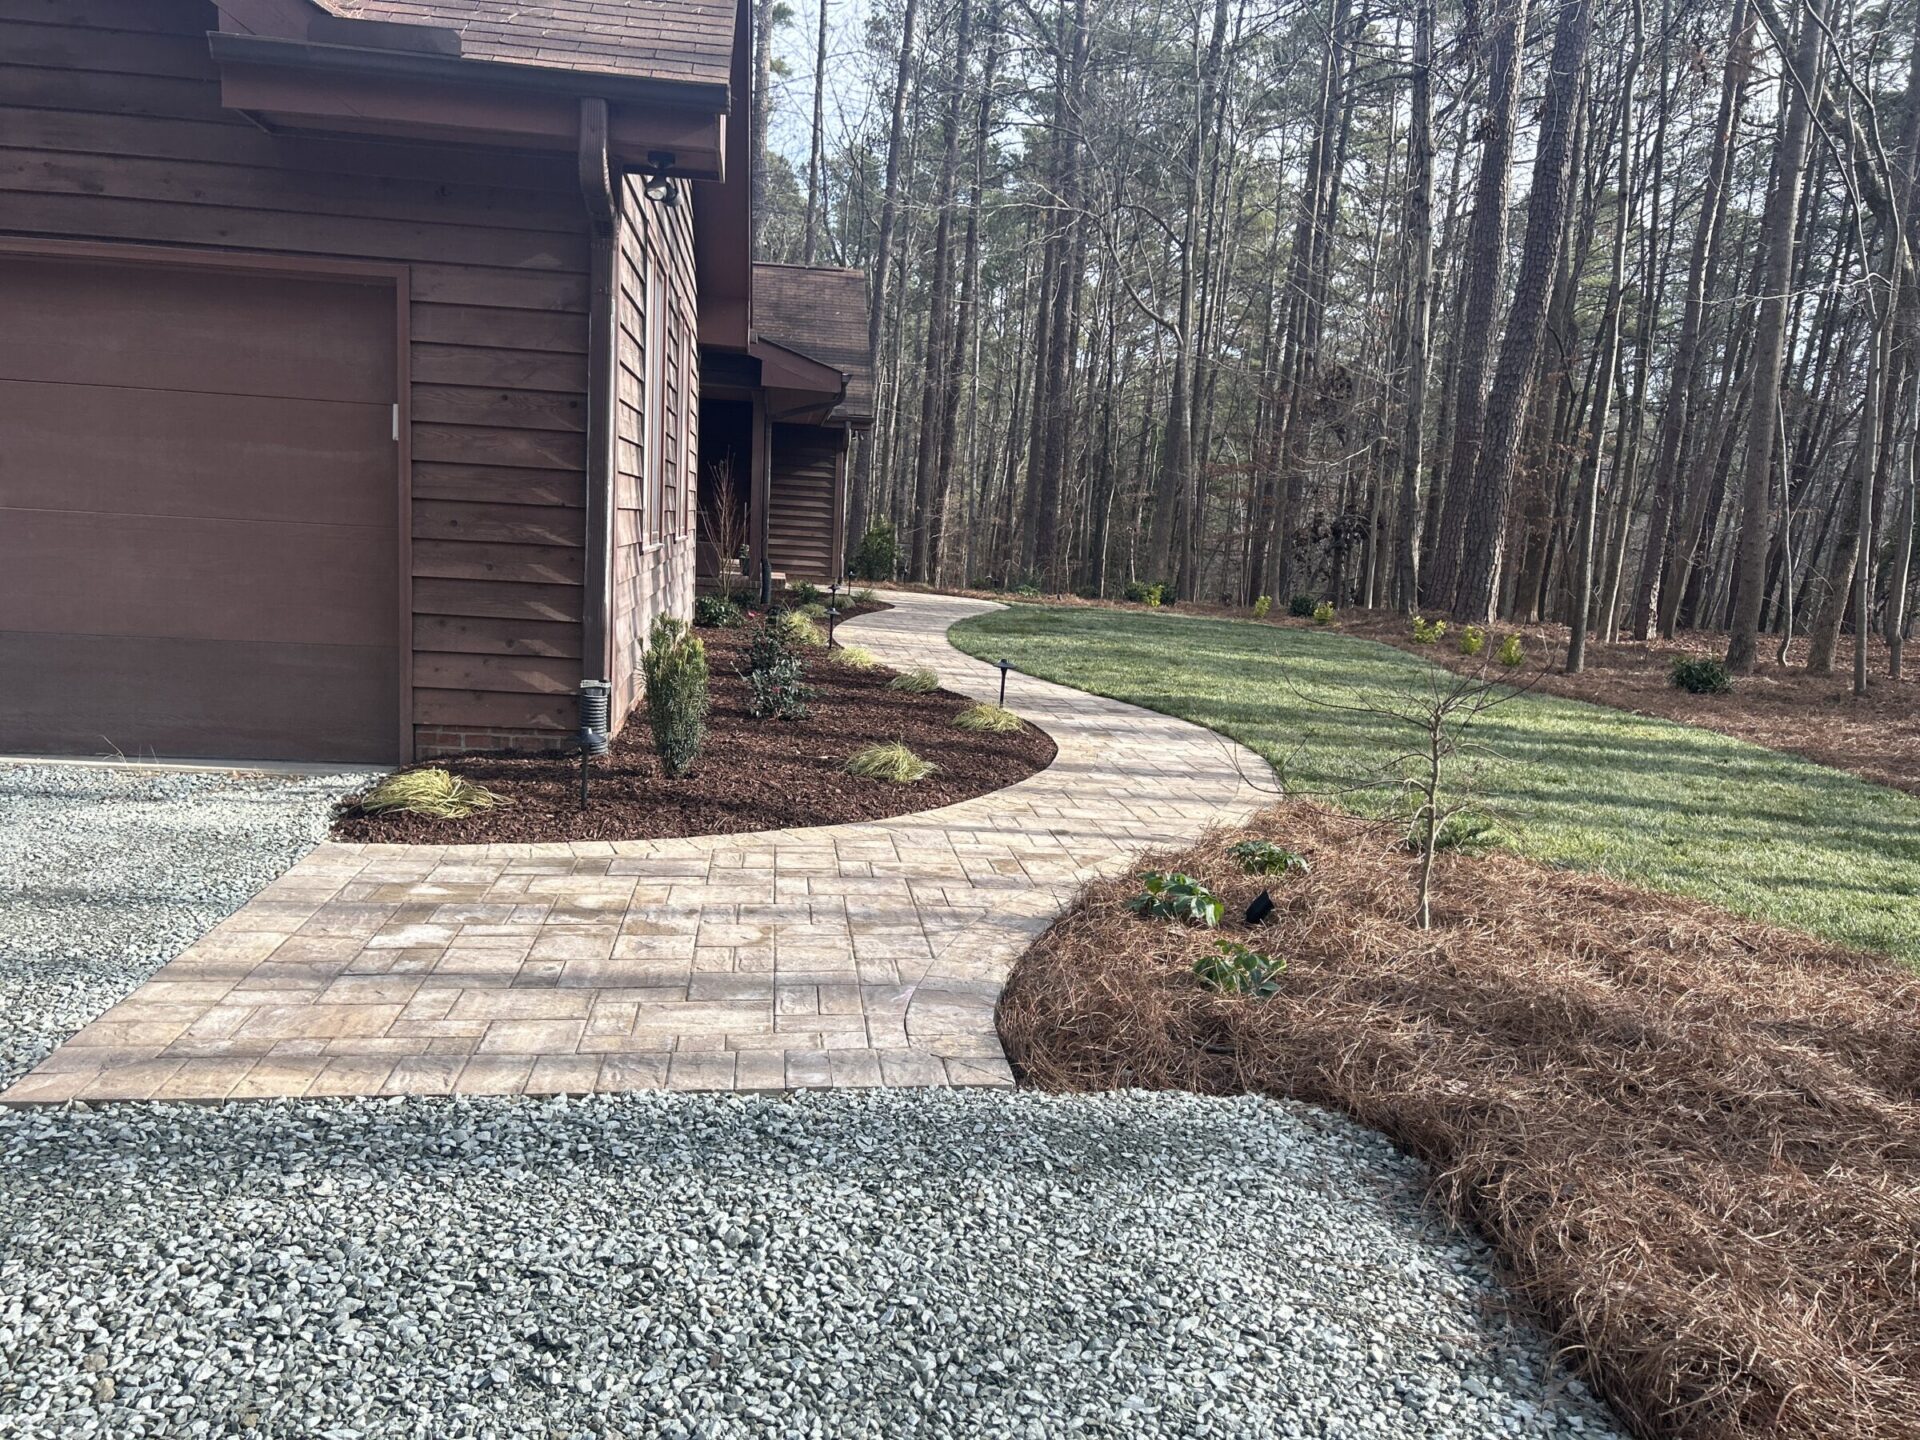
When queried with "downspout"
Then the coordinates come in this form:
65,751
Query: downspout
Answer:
603,224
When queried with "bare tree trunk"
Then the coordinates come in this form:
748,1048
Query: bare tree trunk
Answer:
1419,191
817,152
764,13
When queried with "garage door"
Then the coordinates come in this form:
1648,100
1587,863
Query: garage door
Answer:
198,511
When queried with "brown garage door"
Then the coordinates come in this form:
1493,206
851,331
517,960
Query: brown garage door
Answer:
198,510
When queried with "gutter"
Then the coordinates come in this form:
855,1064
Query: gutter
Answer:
603,223
422,66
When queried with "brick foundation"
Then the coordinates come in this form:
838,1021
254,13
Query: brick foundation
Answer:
429,744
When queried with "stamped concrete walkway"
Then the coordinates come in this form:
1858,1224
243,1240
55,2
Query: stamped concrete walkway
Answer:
846,955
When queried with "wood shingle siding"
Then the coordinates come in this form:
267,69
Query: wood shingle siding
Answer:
805,508
112,131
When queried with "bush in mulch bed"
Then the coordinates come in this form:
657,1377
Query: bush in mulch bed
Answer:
1693,1139
750,774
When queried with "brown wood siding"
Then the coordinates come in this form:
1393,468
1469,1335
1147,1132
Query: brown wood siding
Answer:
803,515
111,129
653,559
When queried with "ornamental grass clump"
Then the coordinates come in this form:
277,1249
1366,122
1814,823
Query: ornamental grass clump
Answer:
677,697
890,761
434,793
990,719
855,657
799,630
918,681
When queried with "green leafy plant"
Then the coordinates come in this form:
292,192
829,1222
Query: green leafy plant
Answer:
718,612
800,630
1301,607
1512,653
778,691
435,793
1261,606
769,644
918,681
1142,593
1263,857
877,554
1700,675
803,593
855,657
889,761
863,596
989,718
1323,613
1176,896
677,701
1472,640
1027,590
1236,969
814,610
1428,632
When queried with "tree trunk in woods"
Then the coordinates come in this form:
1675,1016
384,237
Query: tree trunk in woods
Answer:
1799,96
1406,572
1526,321
817,151
760,119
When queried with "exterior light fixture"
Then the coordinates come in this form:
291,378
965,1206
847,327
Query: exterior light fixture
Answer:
833,609
1005,665
1261,907
658,185
595,701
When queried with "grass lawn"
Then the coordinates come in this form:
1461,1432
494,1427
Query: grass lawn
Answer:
1645,801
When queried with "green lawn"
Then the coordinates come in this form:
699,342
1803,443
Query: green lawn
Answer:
1658,804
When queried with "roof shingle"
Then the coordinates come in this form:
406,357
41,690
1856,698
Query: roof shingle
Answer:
685,40
822,313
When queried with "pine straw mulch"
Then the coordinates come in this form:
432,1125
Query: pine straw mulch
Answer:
1692,1139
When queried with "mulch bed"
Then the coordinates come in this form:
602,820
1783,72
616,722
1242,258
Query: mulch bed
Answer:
751,774
1692,1139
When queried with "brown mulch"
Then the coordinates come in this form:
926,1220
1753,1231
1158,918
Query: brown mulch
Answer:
751,774
1692,1139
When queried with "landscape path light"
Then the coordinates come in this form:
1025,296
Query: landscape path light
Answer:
1005,665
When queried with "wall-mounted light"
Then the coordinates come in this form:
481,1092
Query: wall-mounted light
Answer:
658,186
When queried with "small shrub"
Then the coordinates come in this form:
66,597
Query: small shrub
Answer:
1176,896
1263,857
1472,640
878,552
989,718
855,657
435,793
778,691
1323,613
1236,969
1027,590
891,761
1141,593
1301,607
918,681
1261,606
677,701
863,596
769,644
1700,676
804,593
1511,653
814,610
799,630
1428,632
718,612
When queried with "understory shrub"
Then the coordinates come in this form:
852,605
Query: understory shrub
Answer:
890,761
1512,652
1263,857
778,691
717,612
989,718
1323,613
918,681
800,630
1472,640
1176,896
813,609
1428,632
769,643
677,699
1301,607
1237,969
1142,593
804,593
1261,606
878,552
435,793
863,596
1700,675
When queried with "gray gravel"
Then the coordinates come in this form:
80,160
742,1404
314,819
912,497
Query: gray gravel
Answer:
832,1265
108,873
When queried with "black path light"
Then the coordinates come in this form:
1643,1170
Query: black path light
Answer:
595,701
833,608
1005,666
1261,907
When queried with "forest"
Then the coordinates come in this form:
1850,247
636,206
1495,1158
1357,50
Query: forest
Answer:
1601,312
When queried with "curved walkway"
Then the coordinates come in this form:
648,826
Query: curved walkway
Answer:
846,955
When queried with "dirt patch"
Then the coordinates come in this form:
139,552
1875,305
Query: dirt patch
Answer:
751,774
1692,1139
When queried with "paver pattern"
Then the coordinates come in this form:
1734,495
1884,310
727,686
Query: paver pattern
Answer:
846,955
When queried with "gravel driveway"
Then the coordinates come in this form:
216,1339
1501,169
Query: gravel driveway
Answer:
107,873
877,1264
